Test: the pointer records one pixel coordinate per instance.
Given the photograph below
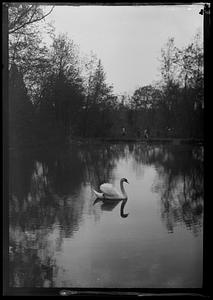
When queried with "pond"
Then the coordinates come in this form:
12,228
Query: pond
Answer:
61,237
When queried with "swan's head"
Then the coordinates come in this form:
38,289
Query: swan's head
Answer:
124,180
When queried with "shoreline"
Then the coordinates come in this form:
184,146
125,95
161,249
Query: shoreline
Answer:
169,140
81,141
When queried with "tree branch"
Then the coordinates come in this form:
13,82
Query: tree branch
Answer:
23,14
30,21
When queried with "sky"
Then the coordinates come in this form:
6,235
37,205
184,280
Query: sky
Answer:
128,39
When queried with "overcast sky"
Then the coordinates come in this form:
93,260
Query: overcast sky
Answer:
128,39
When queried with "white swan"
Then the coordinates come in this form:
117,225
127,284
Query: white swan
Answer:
110,192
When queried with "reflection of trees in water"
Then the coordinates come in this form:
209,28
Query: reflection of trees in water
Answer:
179,181
141,154
100,162
46,191
31,261
19,177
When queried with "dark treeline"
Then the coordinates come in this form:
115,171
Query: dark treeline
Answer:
54,94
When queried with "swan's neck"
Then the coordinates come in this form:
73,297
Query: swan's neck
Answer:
122,189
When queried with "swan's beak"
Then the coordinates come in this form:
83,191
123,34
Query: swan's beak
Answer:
127,181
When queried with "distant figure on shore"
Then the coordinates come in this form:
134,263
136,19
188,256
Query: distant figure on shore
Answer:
138,133
146,134
123,131
169,131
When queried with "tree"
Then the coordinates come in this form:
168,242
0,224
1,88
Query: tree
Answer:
143,97
62,92
98,98
145,105
190,61
168,61
21,15
26,47
21,111
88,70
101,101
182,74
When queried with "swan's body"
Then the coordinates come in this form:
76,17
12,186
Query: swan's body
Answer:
110,192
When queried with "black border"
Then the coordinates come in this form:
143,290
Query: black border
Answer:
205,291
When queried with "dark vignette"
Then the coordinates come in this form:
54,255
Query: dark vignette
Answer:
205,291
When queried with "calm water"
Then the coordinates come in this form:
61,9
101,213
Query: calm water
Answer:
60,238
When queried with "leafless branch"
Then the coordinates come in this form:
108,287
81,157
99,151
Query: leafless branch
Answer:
30,21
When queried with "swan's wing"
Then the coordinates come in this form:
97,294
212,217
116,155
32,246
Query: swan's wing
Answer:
109,190
98,195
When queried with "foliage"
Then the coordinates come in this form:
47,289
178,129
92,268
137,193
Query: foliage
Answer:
20,108
21,15
175,108
26,42
99,99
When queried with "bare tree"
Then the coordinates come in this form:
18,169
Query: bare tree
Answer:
23,14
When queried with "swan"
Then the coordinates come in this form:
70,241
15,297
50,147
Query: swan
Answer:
110,192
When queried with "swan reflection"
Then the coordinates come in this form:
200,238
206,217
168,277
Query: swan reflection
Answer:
122,214
109,205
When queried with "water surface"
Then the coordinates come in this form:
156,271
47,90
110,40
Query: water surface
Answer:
60,238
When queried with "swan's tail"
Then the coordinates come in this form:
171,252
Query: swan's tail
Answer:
98,195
